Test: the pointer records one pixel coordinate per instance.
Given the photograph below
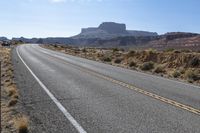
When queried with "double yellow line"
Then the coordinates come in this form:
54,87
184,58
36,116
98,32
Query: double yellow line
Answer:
129,86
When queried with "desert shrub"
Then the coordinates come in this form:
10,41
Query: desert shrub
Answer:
176,74
115,49
11,91
93,51
191,75
151,51
169,50
194,62
118,60
132,64
186,50
177,51
84,50
147,66
76,52
159,69
21,124
182,70
190,81
121,49
106,59
16,96
99,55
12,102
131,53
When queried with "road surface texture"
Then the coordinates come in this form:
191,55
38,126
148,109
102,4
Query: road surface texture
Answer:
63,94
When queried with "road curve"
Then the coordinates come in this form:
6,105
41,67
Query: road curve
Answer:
63,93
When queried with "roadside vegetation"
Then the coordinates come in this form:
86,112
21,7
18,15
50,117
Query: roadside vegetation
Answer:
178,64
12,121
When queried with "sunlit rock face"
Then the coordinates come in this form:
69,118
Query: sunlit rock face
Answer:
108,30
113,28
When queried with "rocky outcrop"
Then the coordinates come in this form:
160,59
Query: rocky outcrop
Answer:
142,33
86,30
108,30
175,35
176,40
113,28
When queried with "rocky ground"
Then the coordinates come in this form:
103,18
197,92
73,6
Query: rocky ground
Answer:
12,121
181,65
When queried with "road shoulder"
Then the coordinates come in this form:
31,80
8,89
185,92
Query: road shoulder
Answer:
43,113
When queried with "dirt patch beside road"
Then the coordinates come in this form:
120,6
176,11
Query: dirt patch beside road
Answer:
12,121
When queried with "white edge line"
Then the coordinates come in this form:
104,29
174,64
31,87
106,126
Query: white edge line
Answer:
55,100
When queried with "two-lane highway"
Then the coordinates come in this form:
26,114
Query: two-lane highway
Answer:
63,93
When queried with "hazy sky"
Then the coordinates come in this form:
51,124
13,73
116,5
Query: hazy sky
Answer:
63,18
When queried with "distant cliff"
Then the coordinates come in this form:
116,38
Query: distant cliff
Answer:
113,28
110,34
169,40
108,30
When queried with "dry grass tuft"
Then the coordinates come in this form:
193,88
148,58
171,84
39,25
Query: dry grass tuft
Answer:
182,70
106,59
176,74
115,50
118,60
151,51
191,75
147,66
131,53
169,50
159,69
132,64
12,91
9,97
194,62
12,102
15,96
21,124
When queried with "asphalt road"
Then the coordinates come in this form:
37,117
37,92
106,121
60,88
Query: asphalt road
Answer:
63,93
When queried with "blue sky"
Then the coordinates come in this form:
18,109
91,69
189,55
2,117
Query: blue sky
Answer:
63,18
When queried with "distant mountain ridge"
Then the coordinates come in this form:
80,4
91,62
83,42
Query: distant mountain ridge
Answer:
168,40
108,30
171,40
110,34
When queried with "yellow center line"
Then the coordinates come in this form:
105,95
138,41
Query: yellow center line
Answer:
130,86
